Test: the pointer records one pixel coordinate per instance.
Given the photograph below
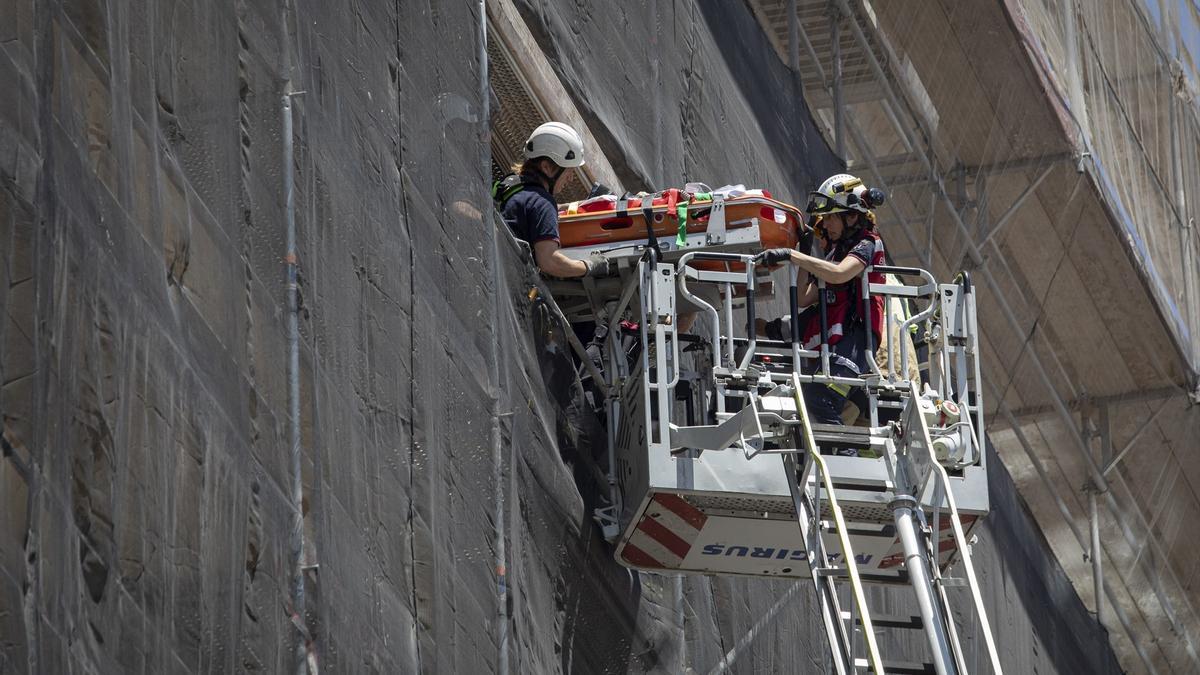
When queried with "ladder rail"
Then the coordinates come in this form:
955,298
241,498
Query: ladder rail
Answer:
908,514
831,611
960,540
814,460
955,641
931,545
808,512
939,584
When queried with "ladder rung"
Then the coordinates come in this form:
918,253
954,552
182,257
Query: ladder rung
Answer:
864,486
899,667
885,579
865,577
832,571
781,451
956,582
893,621
841,440
842,430
885,533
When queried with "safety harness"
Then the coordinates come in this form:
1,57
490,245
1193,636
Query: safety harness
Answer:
506,188
842,301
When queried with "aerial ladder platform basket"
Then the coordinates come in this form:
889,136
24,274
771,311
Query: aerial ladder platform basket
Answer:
714,466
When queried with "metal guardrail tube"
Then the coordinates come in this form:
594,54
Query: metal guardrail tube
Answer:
1096,553
501,555
751,333
296,554
709,311
794,308
748,261
835,37
868,318
907,324
823,309
904,272
727,306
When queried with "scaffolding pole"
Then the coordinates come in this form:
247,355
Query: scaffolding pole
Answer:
989,280
839,130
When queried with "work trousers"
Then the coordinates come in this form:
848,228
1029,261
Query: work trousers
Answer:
847,358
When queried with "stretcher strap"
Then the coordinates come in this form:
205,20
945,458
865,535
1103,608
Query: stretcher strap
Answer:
678,208
681,235
648,214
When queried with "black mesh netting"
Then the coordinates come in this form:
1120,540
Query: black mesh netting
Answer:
144,496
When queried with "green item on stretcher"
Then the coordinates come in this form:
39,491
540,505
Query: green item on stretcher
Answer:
682,213
681,235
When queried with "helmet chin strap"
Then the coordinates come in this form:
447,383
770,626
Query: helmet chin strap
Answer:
848,230
550,180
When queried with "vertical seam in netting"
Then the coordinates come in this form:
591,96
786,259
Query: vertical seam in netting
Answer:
412,337
45,238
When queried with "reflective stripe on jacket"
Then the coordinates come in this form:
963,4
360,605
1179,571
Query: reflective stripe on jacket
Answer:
844,301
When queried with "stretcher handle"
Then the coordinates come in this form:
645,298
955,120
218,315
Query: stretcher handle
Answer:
702,255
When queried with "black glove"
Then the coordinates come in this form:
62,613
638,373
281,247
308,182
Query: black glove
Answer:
597,266
774,256
780,329
599,190
806,238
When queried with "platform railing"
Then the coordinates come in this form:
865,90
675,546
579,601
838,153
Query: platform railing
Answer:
742,363
723,329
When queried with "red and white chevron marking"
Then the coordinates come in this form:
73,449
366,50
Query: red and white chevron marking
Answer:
666,532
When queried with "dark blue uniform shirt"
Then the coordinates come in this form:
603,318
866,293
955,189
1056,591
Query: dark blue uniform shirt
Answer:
532,214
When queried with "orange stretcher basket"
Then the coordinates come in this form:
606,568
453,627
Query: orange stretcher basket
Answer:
777,222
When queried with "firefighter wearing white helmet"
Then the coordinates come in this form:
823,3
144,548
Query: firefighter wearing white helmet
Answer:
557,142
526,199
842,214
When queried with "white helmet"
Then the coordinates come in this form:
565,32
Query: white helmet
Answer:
558,142
843,192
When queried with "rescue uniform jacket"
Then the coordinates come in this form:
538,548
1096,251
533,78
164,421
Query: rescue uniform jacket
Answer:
844,301
532,213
